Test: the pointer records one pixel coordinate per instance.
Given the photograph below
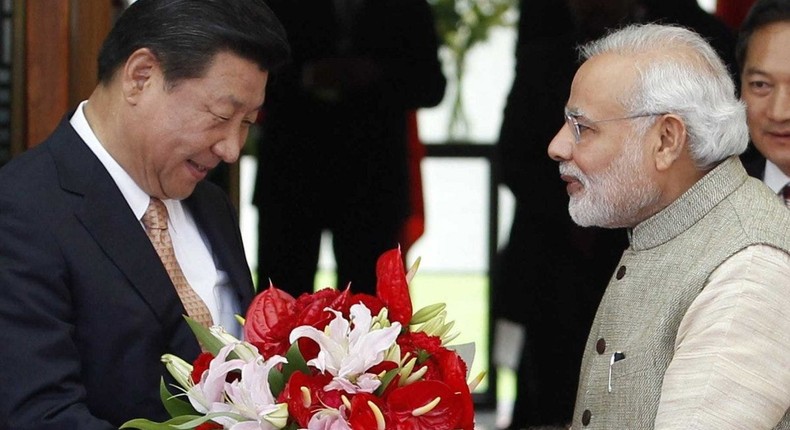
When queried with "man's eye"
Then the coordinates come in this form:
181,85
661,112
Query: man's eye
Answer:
583,127
760,86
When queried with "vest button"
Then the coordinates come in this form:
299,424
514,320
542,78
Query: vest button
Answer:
620,272
586,416
600,346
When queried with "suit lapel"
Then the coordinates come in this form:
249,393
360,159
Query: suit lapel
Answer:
106,215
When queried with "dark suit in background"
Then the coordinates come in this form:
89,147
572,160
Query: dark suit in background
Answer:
333,150
754,162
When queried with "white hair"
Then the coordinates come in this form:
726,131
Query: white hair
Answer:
680,73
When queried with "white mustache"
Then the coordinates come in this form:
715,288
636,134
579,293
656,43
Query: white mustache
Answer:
571,170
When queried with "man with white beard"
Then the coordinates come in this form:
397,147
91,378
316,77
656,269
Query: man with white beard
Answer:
694,327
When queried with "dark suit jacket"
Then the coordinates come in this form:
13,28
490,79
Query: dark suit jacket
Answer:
86,307
754,162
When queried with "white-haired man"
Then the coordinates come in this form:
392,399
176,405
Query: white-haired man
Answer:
693,331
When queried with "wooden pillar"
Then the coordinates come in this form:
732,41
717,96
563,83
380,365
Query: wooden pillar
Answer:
47,66
62,41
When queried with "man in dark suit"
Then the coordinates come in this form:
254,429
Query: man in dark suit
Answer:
87,307
333,148
764,66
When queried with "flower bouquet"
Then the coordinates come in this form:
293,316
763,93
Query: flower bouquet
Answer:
328,360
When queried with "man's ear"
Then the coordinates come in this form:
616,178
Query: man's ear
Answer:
137,73
672,143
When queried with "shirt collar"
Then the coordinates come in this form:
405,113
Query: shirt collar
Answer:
134,195
774,178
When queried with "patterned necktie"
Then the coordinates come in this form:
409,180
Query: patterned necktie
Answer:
155,222
785,193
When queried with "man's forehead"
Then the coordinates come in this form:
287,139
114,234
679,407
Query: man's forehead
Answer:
601,82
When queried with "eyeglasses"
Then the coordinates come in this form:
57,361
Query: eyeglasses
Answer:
573,122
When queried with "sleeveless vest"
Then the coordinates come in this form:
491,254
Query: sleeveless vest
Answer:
670,258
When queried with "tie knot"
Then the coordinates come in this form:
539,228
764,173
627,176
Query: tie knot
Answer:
785,192
155,216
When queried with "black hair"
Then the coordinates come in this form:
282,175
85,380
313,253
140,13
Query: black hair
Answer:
185,35
762,13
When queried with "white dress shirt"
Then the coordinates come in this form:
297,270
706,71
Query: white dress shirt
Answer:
774,178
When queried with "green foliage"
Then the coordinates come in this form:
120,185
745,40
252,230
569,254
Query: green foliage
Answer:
461,24
296,362
174,406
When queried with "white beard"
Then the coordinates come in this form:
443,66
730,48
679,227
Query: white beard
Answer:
615,197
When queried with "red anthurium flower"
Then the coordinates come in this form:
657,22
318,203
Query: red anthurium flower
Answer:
361,415
392,288
264,325
415,407
453,372
443,365
302,406
211,425
311,308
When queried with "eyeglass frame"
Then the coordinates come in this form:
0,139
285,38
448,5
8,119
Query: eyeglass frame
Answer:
571,118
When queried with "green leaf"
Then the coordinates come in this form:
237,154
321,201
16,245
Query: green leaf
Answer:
184,422
171,424
276,382
174,406
209,341
295,362
386,379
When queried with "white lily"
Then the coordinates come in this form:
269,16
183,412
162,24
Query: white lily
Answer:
249,397
329,419
350,348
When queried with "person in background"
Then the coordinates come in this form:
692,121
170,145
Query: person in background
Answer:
333,145
693,330
561,302
764,66
109,233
